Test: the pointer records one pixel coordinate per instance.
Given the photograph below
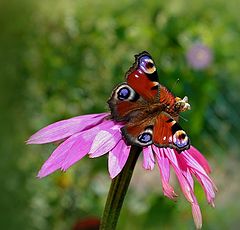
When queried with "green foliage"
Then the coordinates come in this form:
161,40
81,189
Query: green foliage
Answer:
62,59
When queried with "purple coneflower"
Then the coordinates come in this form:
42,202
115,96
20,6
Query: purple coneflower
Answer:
96,135
199,56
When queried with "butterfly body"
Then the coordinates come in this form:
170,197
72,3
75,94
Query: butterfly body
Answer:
150,111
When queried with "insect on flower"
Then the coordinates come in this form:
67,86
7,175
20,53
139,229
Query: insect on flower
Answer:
150,110
143,113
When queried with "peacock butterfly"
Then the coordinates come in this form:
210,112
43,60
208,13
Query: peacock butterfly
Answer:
148,109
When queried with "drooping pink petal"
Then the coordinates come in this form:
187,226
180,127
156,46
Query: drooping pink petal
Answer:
197,216
199,158
192,163
186,186
182,180
164,168
202,176
117,158
105,140
148,158
65,128
189,178
184,168
207,186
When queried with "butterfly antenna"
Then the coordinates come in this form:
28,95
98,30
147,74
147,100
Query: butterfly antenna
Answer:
175,84
183,118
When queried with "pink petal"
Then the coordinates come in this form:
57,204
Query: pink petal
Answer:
189,178
70,151
85,142
148,158
76,147
197,216
186,188
184,168
207,186
164,168
57,158
117,158
202,176
80,148
105,140
199,158
192,163
197,169
65,128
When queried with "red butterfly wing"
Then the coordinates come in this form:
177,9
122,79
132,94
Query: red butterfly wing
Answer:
143,77
162,132
168,133
139,132
125,103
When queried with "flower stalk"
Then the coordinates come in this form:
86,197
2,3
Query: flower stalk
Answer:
118,190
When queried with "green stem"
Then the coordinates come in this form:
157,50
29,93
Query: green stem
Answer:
118,191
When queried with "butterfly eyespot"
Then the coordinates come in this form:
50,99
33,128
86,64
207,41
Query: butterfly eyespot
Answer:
180,139
145,138
123,93
147,65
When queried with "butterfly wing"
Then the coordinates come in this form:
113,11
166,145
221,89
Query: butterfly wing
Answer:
139,131
162,131
125,103
168,133
143,77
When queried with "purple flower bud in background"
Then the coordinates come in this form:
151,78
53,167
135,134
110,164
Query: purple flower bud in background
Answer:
199,56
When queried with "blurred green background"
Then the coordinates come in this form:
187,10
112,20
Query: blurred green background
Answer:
60,59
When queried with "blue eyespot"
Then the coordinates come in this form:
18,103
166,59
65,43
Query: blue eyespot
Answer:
145,138
123,93
180,139
147,65
180,143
